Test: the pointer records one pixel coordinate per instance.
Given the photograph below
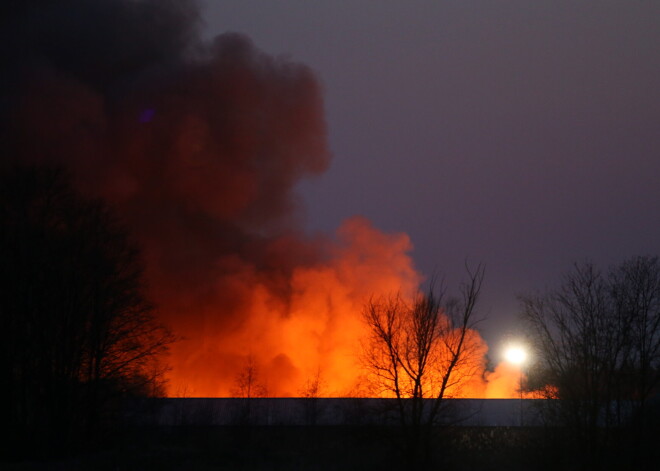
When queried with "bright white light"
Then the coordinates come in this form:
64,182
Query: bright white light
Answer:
515,355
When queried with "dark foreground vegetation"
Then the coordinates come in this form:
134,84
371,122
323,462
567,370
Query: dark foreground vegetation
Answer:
346,448
231,434
596,340
78,337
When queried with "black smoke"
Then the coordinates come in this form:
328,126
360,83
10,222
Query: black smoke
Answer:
197,145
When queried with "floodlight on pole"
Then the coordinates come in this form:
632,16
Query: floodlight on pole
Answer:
517,355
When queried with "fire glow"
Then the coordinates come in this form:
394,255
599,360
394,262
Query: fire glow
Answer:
315,335
200,157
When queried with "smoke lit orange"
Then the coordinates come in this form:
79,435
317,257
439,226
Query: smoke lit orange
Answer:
316,333
200,157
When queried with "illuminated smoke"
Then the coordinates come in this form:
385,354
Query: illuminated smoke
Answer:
198,146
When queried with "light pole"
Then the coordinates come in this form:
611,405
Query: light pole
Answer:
517,356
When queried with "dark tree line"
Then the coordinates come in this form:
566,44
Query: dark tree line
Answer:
597,337
77,332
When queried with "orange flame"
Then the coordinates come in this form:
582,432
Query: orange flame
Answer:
316,331
200,157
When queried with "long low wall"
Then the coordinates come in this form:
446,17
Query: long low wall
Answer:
327,411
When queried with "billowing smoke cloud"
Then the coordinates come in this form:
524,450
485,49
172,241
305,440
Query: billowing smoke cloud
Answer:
199,146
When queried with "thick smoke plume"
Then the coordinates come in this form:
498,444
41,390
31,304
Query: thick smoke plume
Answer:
199,146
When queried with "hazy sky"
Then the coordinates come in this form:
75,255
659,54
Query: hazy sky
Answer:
522,134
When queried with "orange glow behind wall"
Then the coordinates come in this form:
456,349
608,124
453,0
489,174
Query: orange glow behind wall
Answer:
313,336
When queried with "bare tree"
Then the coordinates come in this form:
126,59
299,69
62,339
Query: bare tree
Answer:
248,382
248,385
571,327
419,352
313,386
77,331
311,391
635,290
598,343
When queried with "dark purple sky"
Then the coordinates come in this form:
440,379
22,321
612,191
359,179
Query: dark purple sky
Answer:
523,134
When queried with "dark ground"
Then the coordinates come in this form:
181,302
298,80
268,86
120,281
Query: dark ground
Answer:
324,448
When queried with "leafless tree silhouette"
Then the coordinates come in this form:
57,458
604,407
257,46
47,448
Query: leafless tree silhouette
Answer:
77,332
597,337
419,352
